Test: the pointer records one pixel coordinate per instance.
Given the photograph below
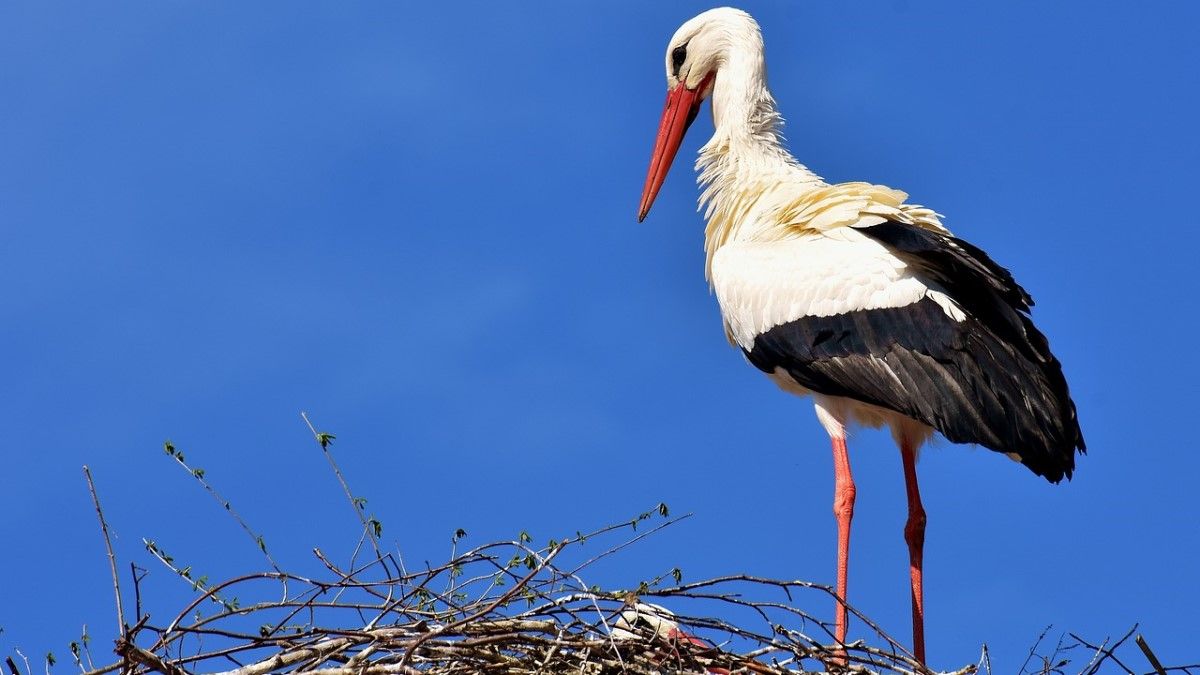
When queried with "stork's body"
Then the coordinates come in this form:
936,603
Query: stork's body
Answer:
847,293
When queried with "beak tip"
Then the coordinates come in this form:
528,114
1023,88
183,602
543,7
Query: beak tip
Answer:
644,208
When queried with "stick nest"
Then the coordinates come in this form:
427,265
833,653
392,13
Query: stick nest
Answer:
505,607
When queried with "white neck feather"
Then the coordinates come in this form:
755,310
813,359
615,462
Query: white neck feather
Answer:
745,173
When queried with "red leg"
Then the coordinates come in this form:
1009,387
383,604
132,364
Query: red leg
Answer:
914,534
843,510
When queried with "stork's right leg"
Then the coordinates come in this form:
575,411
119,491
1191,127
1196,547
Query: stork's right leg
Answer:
914,534
843,510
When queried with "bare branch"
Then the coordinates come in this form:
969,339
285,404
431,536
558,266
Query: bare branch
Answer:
1154,662
369,525
112,559
198,474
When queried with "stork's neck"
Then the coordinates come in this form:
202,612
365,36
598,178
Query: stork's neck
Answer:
745,172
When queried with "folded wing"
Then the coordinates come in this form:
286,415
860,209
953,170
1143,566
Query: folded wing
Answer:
908,319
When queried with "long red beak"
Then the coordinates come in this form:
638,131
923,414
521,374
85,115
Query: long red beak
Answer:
678,114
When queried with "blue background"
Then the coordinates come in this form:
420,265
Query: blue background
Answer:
416,222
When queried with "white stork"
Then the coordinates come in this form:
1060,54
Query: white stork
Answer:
848,294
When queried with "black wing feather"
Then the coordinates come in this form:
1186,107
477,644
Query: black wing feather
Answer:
989,379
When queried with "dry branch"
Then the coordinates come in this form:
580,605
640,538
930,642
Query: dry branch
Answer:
112,559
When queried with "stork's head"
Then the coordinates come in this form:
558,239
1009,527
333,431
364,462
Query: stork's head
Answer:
694,56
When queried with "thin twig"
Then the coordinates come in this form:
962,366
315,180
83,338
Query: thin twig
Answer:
112,559
323,441
198,475
1158,666
1033,649
105,669
137,589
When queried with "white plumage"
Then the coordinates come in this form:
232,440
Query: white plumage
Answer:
763,284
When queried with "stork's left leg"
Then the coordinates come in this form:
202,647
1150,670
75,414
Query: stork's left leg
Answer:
843,511
914,534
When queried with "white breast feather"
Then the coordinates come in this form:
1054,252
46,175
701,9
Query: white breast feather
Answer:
760,285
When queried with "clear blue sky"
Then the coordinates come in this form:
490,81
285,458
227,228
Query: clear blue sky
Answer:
417,223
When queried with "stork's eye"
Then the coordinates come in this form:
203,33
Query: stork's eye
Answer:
678,56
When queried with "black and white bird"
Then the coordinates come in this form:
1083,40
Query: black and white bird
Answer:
850,295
